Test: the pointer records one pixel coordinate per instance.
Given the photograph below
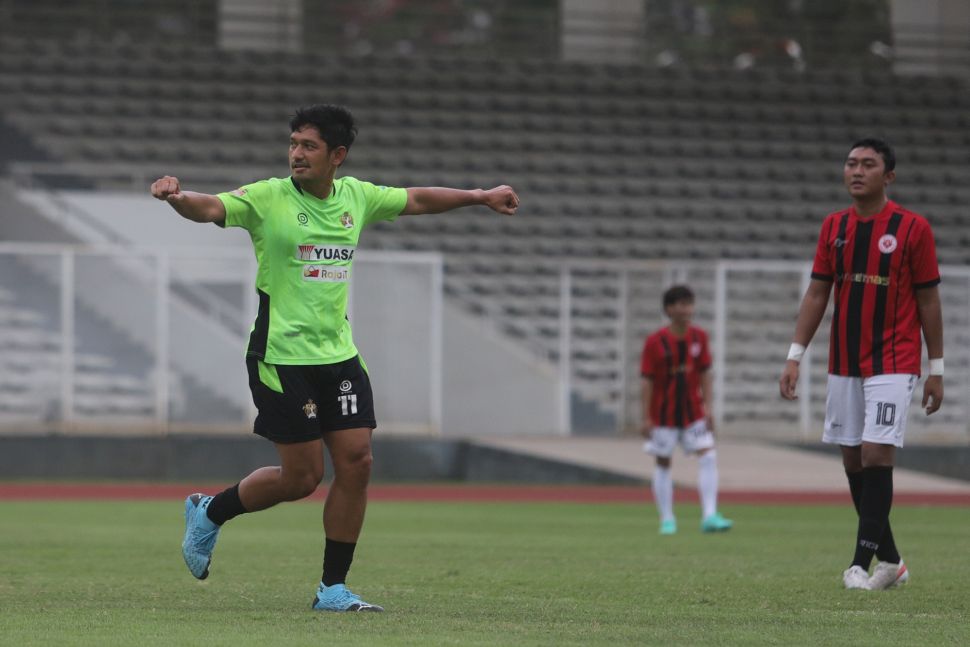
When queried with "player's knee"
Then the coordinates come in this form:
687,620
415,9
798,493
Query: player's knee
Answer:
852,459
355,465
877,455
362,462
302,485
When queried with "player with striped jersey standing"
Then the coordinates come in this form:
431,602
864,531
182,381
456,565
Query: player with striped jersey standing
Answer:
676,398
881,260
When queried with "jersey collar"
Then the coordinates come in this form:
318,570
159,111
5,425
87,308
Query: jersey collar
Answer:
310,196
887,210
674,335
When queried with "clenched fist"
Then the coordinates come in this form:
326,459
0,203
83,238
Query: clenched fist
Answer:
167,188
502,199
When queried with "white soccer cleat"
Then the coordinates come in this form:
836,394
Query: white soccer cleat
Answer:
886,575
855,577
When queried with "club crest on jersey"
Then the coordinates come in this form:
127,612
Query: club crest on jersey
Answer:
695,349
310,409
347,220
887,244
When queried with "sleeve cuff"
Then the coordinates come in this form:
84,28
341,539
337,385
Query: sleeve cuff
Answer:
822,277
926,284
227,204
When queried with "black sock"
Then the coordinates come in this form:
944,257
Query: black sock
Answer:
225,505
874,506
855,488
887,551
337,556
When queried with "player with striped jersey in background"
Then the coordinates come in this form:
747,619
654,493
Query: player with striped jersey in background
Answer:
676,399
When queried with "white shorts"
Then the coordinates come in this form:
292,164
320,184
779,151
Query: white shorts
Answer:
692,438
871,409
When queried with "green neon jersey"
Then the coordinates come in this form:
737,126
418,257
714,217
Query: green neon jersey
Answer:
304,249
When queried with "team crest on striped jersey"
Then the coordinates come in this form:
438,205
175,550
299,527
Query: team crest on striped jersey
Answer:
887,244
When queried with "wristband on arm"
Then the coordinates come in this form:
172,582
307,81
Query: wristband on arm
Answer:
936,366
796,351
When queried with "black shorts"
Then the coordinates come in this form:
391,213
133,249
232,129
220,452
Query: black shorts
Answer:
301,403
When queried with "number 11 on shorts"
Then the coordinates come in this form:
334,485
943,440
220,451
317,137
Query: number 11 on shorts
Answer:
348,404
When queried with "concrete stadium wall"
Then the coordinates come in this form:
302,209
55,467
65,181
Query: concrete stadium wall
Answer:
229,458
492,387
948,461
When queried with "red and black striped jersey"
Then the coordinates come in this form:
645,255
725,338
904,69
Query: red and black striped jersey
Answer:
877,264
675,365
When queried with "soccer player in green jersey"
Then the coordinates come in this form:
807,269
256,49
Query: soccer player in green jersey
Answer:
308,382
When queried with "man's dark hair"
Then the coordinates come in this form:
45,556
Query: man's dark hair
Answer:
676,294
334,123
881,147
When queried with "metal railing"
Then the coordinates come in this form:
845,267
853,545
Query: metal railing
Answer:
605,310
749,310
141,340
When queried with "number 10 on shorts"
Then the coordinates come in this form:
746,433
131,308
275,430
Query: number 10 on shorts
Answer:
885,414
348,404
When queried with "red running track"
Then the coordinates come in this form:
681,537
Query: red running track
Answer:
462,493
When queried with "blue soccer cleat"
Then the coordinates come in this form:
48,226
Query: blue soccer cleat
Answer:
200,535
338,597
668,527
716,523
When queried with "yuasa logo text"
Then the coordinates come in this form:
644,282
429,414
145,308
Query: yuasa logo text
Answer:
324,253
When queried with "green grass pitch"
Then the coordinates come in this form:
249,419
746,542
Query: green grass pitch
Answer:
111,573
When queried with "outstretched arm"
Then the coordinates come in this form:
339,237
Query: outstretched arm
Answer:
931,320
434,199
809,317
198,207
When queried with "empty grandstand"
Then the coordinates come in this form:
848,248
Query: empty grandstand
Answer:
631,175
